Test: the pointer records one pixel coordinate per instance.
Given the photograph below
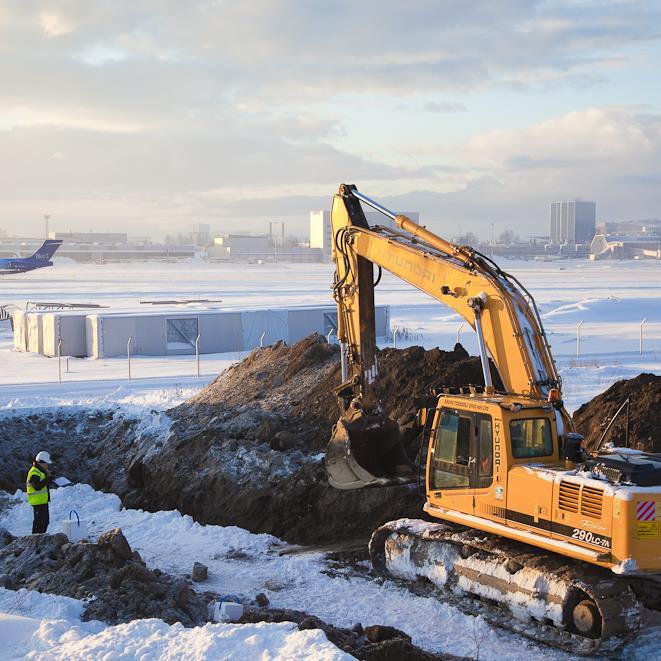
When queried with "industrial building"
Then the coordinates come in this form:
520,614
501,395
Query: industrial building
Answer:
260,248
321,232
94,334
572,222
615,246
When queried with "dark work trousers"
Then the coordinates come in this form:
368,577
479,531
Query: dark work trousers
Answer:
40,522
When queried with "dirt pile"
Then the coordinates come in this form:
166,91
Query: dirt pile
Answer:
247,450
296,383
644,392
122,587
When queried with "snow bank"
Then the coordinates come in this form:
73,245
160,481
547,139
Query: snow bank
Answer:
32,603
154,640
32,638
134,398
35,626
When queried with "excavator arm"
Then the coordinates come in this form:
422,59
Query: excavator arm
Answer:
494,303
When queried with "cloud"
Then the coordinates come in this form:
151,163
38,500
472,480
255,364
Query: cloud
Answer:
511,177
55,24
172,111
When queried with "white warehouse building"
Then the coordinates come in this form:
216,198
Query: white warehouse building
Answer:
175,332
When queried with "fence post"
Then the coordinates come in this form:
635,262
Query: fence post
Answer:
394,337
578,338
197,355
261,339
641,335
461,326
128,355
67,364
59,360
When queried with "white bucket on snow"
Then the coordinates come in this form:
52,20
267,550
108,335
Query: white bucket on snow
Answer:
225,611
74,529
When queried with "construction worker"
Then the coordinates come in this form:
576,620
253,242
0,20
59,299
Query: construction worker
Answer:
38,479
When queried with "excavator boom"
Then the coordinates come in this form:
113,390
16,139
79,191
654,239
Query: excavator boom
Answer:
365,448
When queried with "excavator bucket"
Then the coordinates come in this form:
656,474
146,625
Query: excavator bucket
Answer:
366,451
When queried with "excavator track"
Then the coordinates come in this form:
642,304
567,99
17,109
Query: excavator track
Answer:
553,600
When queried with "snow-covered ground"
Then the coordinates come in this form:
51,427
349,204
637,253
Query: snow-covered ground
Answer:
611,298
296,580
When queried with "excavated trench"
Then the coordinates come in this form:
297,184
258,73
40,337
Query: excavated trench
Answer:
247,450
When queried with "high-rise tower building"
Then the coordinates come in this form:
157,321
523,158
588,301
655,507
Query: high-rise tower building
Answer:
573,222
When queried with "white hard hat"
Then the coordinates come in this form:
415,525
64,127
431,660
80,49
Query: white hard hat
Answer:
43,456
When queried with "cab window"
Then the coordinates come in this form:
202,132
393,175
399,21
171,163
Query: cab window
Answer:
450,462
531,437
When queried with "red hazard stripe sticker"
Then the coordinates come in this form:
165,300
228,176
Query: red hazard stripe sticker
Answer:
646,510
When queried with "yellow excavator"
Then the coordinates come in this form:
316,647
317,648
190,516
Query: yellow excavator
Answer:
560,535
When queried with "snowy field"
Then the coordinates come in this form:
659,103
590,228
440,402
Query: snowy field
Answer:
610,298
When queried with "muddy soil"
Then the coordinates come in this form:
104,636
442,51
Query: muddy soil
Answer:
644,394
247,450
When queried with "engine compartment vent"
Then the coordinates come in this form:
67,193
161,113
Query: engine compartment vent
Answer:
580,498
569,496
591,502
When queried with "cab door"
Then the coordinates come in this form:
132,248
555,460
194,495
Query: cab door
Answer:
452,469
489,485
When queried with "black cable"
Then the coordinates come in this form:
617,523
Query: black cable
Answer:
378,278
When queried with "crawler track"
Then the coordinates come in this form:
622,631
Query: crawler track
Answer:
559,602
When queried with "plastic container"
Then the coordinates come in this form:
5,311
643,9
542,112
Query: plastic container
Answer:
225,611
74,529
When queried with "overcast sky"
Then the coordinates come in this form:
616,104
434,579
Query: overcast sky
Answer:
149,115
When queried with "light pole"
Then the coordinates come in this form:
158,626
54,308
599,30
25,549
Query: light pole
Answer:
274,239
46,219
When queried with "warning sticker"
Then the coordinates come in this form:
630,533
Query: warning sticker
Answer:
647,529
645,510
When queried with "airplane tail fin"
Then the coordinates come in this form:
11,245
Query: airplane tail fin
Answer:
47,250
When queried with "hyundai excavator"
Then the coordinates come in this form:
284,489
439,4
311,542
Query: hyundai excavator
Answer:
559,535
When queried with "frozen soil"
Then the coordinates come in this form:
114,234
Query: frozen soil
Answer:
644,393
119,586
247,450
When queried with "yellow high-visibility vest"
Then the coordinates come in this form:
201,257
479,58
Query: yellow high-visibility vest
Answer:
36,496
